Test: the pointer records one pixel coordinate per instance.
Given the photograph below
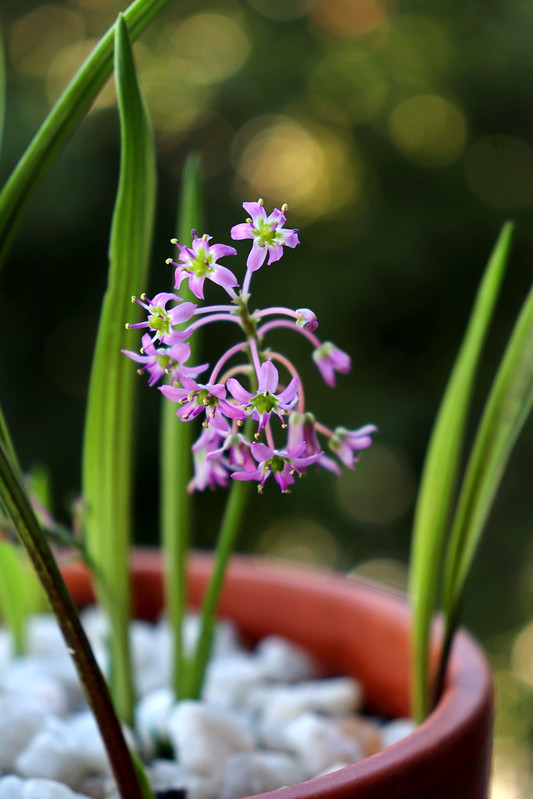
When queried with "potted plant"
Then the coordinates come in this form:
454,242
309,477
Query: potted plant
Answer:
257,428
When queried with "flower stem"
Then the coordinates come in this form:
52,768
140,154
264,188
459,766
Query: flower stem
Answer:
231,522
176,441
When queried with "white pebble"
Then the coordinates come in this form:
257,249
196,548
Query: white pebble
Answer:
44,636
11,787
256,772
166,774
52,755
48,789
23,678
319,743
281,660
205,737
85,738
230,679
151,716
394,731
19,723
335,696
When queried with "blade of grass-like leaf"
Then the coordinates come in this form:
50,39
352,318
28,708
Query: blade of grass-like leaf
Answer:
507,408
15,500
440,474
2,89
5,438
13,605
176,442
108,444
60,123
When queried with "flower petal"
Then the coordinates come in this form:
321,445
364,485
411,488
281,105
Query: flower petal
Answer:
242,231
256,257
237,391
268,378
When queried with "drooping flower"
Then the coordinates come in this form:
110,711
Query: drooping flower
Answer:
345,442
265,402
200,262
306,319
268,234
161,361
162,320
331,359
282,463
237,450
208,472
197,397
302,430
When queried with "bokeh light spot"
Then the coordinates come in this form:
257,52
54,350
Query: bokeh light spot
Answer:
299,538
380,489
66,63
522,655
349,19
383,570
36,37
499,170
310,168
215,44
282,10
351,80
428,130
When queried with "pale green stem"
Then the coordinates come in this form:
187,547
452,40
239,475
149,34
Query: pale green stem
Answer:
176,443
231,523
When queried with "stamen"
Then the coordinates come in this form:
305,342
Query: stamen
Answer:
173,241
169,261
284,207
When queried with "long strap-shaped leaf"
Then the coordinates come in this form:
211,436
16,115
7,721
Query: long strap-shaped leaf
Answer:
18,508
440,475
61,122
176,441
108,444
2,89
507,408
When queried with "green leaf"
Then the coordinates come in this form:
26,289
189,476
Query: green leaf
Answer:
439,477
176,441
2,89
13,604
507,408
62,120
108,442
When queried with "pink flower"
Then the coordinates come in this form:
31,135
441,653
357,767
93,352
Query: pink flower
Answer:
265,402
283,464
199,262
345,442
306,319
208,473
331,359
268,234
302,431
237,449
161,361
160,320
197,397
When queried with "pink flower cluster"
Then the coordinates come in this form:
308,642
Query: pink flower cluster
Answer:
241,423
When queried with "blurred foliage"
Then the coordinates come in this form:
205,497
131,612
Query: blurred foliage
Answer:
400,137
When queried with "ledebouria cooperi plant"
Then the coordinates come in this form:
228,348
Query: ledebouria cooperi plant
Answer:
263,427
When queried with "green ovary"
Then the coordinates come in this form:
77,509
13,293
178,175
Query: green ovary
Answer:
276,464
265,404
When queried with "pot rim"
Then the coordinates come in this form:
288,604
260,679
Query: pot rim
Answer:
465,705
463,714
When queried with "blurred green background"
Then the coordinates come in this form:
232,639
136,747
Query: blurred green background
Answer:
401,136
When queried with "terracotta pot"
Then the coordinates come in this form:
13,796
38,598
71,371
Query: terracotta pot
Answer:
361,630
